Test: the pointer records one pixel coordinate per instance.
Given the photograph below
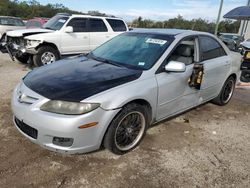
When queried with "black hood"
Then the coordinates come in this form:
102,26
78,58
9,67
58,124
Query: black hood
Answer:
75,79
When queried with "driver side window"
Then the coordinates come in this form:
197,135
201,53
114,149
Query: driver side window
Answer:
185,52
78,24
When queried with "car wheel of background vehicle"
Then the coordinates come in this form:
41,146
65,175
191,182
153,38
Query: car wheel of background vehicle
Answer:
127,129
23,58
46,55
226,92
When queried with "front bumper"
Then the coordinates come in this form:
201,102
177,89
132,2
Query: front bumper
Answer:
32,51
12,49
50,125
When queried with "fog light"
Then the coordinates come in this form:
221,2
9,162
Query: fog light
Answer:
65,142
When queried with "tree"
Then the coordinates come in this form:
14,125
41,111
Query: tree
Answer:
195,24
32,8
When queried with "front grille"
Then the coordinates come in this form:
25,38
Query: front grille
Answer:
15,40
26,128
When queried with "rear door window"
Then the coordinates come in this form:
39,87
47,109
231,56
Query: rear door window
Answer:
97,25
210,48
117,25
78,24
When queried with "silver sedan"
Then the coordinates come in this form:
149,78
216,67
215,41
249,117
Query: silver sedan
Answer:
112,95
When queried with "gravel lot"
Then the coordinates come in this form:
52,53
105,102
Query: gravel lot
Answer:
205,147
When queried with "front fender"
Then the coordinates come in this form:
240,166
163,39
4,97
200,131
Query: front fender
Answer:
115,98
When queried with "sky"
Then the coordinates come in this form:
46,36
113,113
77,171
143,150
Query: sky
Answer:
152,9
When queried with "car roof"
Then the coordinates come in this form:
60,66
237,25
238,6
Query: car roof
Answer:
161,31
10,17
230,34
88,16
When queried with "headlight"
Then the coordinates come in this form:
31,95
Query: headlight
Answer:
69,108
32,43
247,55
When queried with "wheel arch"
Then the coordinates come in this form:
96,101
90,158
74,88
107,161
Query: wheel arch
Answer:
139,101
142,102
233,75
49,44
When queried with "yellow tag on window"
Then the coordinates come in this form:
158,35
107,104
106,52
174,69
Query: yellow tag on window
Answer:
248,55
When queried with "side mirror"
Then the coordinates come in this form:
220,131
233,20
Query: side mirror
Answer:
69,29
175,66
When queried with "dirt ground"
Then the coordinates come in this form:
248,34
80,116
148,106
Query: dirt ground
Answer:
205,147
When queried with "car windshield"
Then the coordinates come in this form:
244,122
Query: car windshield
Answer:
56,22
33,24
231,37
133,50
11,22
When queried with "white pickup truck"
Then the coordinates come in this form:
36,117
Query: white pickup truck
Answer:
63,34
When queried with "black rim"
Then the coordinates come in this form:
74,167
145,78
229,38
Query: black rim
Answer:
228,91
130,130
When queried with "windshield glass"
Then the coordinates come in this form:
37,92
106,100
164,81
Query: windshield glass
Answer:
11,22
56,22
133,50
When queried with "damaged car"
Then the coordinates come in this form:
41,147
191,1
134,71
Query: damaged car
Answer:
62,35
111,96
8,23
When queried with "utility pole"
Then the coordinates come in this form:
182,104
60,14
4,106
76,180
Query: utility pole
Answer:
218,18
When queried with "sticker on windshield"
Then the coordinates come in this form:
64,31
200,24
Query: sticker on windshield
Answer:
141,63
156,41
62,21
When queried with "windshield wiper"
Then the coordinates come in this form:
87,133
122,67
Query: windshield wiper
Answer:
104,60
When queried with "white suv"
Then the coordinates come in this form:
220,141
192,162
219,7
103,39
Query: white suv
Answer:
63,34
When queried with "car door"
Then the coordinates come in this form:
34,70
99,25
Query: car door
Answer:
78,40
174,92
216,65
98,32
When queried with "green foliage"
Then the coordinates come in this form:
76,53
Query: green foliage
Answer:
226,26
32,8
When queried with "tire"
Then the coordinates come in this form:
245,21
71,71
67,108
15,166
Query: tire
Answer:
46,55
226,92
121,130
23,58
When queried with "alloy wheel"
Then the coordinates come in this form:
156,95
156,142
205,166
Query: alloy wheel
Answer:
48,58
130,130
228,91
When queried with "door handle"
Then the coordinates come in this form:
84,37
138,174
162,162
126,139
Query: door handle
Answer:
85,37
107,36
